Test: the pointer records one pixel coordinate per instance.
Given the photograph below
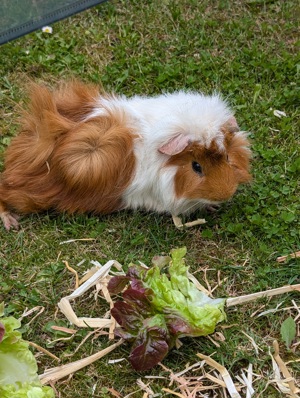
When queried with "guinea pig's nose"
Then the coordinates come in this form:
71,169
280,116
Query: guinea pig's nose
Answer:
226,194
225,190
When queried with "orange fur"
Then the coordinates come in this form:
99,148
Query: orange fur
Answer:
237,148
75,100
94,168
221,175
59,162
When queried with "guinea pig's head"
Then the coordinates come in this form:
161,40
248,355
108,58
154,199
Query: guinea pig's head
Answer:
208,172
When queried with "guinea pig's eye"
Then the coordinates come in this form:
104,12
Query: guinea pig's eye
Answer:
197,168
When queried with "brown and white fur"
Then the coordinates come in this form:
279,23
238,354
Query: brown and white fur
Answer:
80,150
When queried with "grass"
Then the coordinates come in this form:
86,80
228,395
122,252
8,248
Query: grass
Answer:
247,50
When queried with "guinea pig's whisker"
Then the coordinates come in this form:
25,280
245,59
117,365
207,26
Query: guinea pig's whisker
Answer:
192,207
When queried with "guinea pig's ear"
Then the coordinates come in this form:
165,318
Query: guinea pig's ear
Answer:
175,145
231,125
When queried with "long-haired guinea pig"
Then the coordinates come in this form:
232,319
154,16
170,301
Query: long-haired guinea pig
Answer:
82,150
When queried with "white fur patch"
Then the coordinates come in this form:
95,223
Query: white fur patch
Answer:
156,120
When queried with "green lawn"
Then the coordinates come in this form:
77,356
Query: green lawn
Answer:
247,50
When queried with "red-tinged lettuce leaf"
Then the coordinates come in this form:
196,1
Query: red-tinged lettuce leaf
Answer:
178,326
131,312
127,317
2,331
119,332
149,348
137,295
117,284
136,271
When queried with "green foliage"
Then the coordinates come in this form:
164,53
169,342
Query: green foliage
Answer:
288,331
18,367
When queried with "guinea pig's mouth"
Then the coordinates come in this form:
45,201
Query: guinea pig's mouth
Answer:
188,206
221,197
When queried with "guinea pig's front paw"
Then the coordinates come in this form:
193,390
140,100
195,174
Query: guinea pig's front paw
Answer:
9,220
212,208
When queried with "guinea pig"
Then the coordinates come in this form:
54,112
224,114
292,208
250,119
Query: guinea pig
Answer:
81,150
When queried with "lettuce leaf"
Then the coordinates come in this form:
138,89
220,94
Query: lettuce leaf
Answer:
26,390
18,367
159,307
2,331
